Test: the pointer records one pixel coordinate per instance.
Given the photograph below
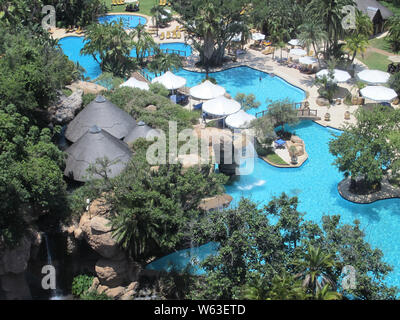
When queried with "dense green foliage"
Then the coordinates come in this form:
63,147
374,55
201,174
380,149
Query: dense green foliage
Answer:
247,101
394,32
31,70
258,247
81,284
110,46
135,100
363,150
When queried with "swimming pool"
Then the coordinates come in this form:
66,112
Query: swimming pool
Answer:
248,80
315,184
129,21
72,46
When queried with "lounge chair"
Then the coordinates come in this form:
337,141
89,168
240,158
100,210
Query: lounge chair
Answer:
178,35
173,34
168,35
280,144
162,36
173,98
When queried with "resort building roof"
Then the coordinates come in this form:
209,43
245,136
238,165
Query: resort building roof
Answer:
105,115
96,144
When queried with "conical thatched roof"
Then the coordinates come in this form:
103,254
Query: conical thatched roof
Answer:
105,115
96,144
141,130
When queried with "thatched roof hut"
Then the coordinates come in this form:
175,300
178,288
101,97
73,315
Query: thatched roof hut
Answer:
141,130
105,115
96,144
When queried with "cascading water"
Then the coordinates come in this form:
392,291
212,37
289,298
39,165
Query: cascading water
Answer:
54,293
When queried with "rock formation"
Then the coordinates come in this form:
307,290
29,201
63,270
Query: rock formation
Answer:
65,109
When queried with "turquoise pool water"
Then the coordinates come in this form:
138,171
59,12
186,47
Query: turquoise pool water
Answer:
315,184
72,46
247,80
129,21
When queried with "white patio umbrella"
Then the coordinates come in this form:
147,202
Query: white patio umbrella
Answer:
221,106
206,91
170,81
257,36
134,83
339,75
295,42
298,52
239,120
308,60
378,93
373,76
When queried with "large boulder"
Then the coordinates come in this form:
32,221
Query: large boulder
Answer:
112,273
322,101
15,286
65,109
15,260
97,233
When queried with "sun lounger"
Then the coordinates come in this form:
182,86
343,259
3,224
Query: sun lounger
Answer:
174,34
162,36
178,35
168,35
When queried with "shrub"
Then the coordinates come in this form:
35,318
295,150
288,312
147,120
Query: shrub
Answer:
81,284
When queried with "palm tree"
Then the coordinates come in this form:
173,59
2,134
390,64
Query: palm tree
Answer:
312,33
327,294
364,25
357,43
316,269
286,287
163,62
143,42
110,46
157,12
329,13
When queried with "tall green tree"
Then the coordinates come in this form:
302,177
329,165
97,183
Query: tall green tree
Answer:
110,46
363,150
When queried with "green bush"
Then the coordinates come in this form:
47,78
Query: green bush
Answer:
158,88
81,284
95,296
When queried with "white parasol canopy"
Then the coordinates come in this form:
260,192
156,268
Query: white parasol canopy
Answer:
257,36
295,42
373,76
221,106
170,81
134,83
339,75
378,93
239,120
298,52
207,90
308,60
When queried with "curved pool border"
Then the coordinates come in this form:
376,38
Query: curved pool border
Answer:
148,18
244,65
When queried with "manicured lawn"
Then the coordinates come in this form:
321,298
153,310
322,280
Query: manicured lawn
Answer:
275,159
375,60
145,6
381,43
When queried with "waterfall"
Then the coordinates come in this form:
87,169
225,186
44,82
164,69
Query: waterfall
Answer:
54,293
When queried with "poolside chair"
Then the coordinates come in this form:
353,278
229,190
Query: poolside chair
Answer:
178,35
162,36
168,35
173,34
173,98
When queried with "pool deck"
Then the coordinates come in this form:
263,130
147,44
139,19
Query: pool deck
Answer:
255,59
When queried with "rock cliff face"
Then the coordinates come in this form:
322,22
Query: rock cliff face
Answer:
65,109
116,276
13,265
